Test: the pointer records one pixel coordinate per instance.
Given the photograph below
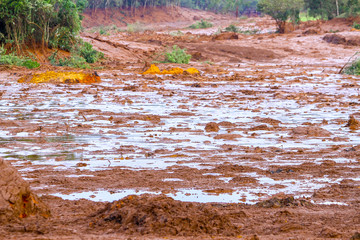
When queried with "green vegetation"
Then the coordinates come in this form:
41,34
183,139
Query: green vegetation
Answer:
235,29
356,25
329,9
218,6
52,23
45,24
12,59
354,68
81,55
177,55
281,11
135,27
232,28
201,24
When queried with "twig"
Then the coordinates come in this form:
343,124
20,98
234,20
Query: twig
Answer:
347,62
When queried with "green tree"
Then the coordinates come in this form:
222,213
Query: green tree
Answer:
281,10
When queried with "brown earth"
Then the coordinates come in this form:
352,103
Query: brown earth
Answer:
265,125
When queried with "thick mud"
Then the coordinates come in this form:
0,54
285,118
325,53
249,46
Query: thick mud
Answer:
262,144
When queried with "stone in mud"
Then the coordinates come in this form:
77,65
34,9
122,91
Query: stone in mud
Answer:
283,202
164,216
327,232
212,127
16,199
352,123
310,131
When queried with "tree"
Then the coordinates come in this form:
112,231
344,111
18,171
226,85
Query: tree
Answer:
281,10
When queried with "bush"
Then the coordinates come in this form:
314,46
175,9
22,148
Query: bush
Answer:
201,24
177,55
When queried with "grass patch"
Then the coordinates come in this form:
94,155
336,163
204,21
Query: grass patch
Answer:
135,27
235,29
232,28
201,24
177,55
13,60
304,17
354,68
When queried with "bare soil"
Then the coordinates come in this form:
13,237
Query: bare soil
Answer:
262,144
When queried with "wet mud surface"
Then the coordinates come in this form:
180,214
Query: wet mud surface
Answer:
265,139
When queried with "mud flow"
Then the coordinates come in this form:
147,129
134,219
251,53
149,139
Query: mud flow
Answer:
262,143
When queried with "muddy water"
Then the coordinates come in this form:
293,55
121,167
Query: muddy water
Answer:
280,131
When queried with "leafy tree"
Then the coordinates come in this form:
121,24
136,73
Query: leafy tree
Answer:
329,9
281,10
39,22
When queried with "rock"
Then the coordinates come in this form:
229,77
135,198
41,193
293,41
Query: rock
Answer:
16,199
212,127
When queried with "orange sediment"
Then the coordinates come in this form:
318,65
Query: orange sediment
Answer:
61,77
155,70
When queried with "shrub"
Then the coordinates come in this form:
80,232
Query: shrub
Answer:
356,25
90,55
13,59
232,28
201,24
74,61
177,55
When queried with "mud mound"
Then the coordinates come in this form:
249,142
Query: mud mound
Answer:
16,199
311,131
161,215
232,53
212,127
353,124
283,202
338,39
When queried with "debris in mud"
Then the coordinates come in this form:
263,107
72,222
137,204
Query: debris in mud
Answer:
311,31
161,215
338,39
155,70
311,131
353,124
225,36
334,38
212,127
61,77
16,199
356,236
283,202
